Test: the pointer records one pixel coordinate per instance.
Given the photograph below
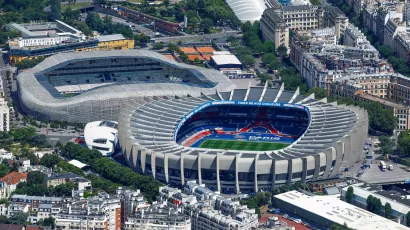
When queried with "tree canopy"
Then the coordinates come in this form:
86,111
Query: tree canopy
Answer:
349,195
403,142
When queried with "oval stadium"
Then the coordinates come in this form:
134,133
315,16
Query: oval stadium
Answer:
91,86
242,140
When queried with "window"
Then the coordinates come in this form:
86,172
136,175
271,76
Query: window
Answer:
100,141
101,148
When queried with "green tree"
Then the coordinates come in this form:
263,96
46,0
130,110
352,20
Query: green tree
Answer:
268,58
282,50
386,145
55,12
370,203
206,25
94,21
319,92
403,142
248,60
387,210
158,46
349,195
408,219
378,206
47,222
4,170
35,177
275,64
18,218
50,160
386,51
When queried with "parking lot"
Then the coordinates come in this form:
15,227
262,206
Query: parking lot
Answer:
374,175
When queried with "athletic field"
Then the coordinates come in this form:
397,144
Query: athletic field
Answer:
242,145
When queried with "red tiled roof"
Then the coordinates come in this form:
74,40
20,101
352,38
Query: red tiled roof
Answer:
205,49
192,57
32,227
188,50
207,56
14,178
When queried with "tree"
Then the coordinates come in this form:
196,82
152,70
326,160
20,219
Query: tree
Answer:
386,145
275,64
206,25
408,219
248,60
403,142
158,46
35,177
386,51
378,205
387,210
282,50
94,21
4,170
47,222
245,27
370,203
50,160
55,12
349,195
18,218
268,58
319,92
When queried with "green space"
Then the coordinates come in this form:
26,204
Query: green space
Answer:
76,6
242,145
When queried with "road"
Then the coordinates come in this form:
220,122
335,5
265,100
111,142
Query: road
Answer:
222,36
136,28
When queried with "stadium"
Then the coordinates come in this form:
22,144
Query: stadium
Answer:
92,86
242,140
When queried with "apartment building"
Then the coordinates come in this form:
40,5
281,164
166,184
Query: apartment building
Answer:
4,115
158,218
302,17
274,28
9,183
335,17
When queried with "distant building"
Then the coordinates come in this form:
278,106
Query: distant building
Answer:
326,211
53,181
4,115
274,28
47,38
10,181
158,218
397,198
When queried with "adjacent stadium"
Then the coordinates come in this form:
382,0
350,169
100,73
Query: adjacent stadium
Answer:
242,140
91,86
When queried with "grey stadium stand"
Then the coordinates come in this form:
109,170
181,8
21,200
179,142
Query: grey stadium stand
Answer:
89,86
333,141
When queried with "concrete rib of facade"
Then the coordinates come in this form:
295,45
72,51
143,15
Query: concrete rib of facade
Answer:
333,141
131,74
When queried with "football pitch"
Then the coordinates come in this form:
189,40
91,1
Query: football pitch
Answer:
242,145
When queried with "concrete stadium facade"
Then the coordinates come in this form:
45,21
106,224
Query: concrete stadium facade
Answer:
89,86
333,141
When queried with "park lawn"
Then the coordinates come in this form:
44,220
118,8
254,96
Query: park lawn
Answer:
242,145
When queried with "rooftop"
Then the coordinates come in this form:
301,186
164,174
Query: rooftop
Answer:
107,38
397,200
63,176
226,59
381,101
338,211
14,178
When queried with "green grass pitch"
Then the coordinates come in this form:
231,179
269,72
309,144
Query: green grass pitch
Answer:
242,145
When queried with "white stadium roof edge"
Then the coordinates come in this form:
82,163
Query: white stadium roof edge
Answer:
247,10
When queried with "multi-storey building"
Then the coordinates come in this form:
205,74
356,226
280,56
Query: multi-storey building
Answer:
393,27
274,28
302,17
4,115
47,38
402,45
335,17
158,218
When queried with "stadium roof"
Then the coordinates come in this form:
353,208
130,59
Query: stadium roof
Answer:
153,123
338,211
39,96
247,10
226,59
